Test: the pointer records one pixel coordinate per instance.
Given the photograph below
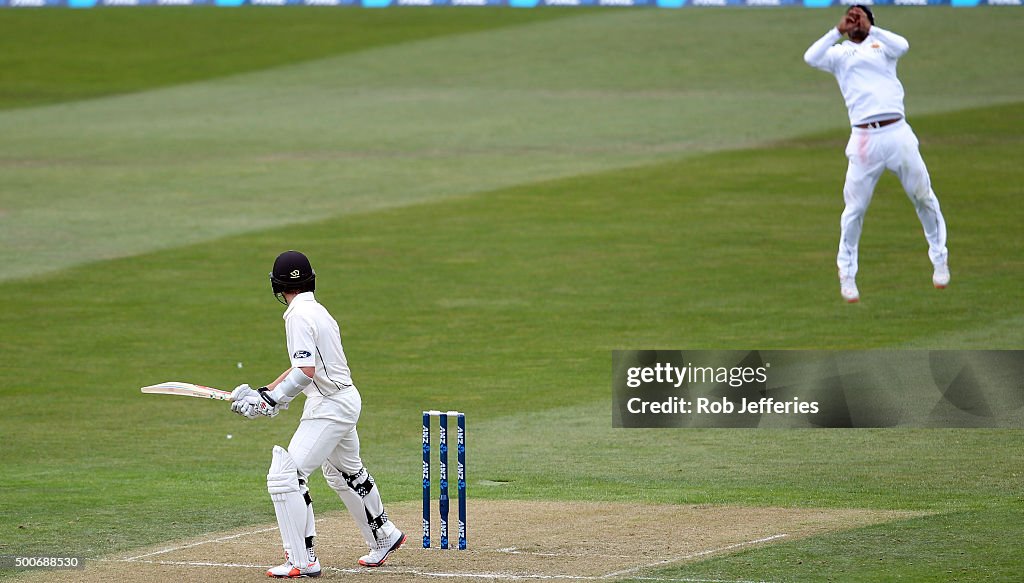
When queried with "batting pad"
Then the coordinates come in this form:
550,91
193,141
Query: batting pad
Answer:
289,505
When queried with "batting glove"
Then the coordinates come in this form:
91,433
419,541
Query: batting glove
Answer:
252,404
266,405
242,391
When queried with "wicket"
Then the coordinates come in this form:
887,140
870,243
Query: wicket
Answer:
442,447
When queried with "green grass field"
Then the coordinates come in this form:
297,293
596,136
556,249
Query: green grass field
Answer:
493,201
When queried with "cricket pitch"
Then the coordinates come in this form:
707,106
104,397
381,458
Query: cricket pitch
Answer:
508,541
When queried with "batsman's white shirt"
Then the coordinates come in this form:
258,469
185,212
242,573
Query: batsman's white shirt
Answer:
866,72
314,339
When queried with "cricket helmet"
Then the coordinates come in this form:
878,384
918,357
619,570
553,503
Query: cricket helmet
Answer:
292,272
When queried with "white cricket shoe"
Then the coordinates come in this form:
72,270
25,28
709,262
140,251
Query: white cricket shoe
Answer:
848,289
383,549
940,277
290,571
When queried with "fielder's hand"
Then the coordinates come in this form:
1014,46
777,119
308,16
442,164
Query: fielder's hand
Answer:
846,23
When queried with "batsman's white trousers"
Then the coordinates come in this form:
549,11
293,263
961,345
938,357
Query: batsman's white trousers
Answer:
333,439
870,152
327,437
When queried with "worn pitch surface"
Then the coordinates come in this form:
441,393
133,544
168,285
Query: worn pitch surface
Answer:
508,541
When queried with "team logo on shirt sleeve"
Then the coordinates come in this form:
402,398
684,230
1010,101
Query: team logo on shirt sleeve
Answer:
301,354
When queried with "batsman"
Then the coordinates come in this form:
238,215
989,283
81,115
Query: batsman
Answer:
326,436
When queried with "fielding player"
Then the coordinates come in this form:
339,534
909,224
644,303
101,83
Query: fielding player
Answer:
326,436
865,67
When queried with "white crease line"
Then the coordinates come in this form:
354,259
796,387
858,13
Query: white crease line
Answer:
440,575
377,570
528,576
516,551
501,576
615,574
188,546
183,563
497,576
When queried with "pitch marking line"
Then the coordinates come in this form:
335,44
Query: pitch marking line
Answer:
439,575
493,576
624,572
516,551
186,563
205,542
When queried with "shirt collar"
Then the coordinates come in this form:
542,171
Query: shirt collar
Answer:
303,297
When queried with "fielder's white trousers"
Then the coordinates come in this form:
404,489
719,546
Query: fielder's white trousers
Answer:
870,152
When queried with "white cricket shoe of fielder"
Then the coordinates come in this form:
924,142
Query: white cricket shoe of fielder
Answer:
290,571
940,277
848,289
383,549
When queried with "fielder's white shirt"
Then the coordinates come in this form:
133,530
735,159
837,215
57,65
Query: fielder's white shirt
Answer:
866,72
314,339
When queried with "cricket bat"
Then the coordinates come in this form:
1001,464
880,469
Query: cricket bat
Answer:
187,390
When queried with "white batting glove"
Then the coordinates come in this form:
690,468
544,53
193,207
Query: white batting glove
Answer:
263,406
245,408
242,391
250,404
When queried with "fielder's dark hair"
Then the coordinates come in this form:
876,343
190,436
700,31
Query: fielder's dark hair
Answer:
871,17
